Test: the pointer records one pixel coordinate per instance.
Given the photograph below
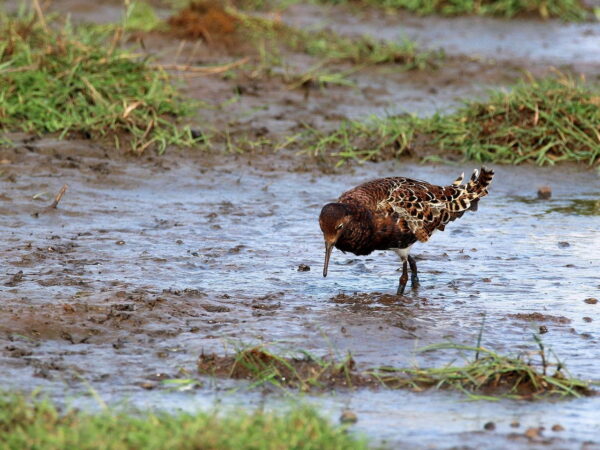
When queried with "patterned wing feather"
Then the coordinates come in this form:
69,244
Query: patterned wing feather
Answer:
419,207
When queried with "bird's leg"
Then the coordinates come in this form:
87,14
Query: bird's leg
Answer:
414,278
403,278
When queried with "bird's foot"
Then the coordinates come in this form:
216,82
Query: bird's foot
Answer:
401,288
414,282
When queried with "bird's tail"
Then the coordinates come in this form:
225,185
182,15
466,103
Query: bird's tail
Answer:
480,181
467,195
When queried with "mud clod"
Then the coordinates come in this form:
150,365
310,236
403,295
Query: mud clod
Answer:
305,373
207,21
489,426
348,417
15,279
591,301
544,193
215,308
303,268
539,317
533,433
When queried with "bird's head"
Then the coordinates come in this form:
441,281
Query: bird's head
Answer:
333,220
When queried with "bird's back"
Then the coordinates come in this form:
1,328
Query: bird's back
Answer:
418,207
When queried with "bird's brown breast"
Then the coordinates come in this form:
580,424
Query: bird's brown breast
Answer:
381,232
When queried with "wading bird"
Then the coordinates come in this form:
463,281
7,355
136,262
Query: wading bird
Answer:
394,213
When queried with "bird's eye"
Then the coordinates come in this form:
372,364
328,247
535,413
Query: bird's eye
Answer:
340,226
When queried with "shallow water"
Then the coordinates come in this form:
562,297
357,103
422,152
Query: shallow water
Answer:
219,248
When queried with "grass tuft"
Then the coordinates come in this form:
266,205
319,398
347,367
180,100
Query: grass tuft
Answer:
27,424
567,10
543,122
66,80
260,366
488,375
140,16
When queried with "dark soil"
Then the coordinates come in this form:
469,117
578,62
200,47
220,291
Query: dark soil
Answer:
539,317
303,373
207,21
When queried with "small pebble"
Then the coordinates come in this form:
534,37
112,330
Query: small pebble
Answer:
558,427
120,242
147,385
544,193
543,329
563,244
587,319
533,433
197,134
303,268
348,417
489,426
515,424
591,301
179,242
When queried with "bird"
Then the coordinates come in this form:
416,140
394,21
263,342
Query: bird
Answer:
395,212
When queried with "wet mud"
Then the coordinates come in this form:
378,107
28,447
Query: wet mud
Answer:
149,262
301,372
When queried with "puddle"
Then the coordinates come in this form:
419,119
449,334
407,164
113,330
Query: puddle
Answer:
145,266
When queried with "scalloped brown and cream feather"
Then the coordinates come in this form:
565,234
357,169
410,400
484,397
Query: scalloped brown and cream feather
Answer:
417,207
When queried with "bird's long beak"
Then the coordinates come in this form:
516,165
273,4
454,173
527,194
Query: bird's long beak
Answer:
328,248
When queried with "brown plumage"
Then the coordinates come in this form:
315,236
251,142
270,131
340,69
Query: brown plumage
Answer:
394,213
